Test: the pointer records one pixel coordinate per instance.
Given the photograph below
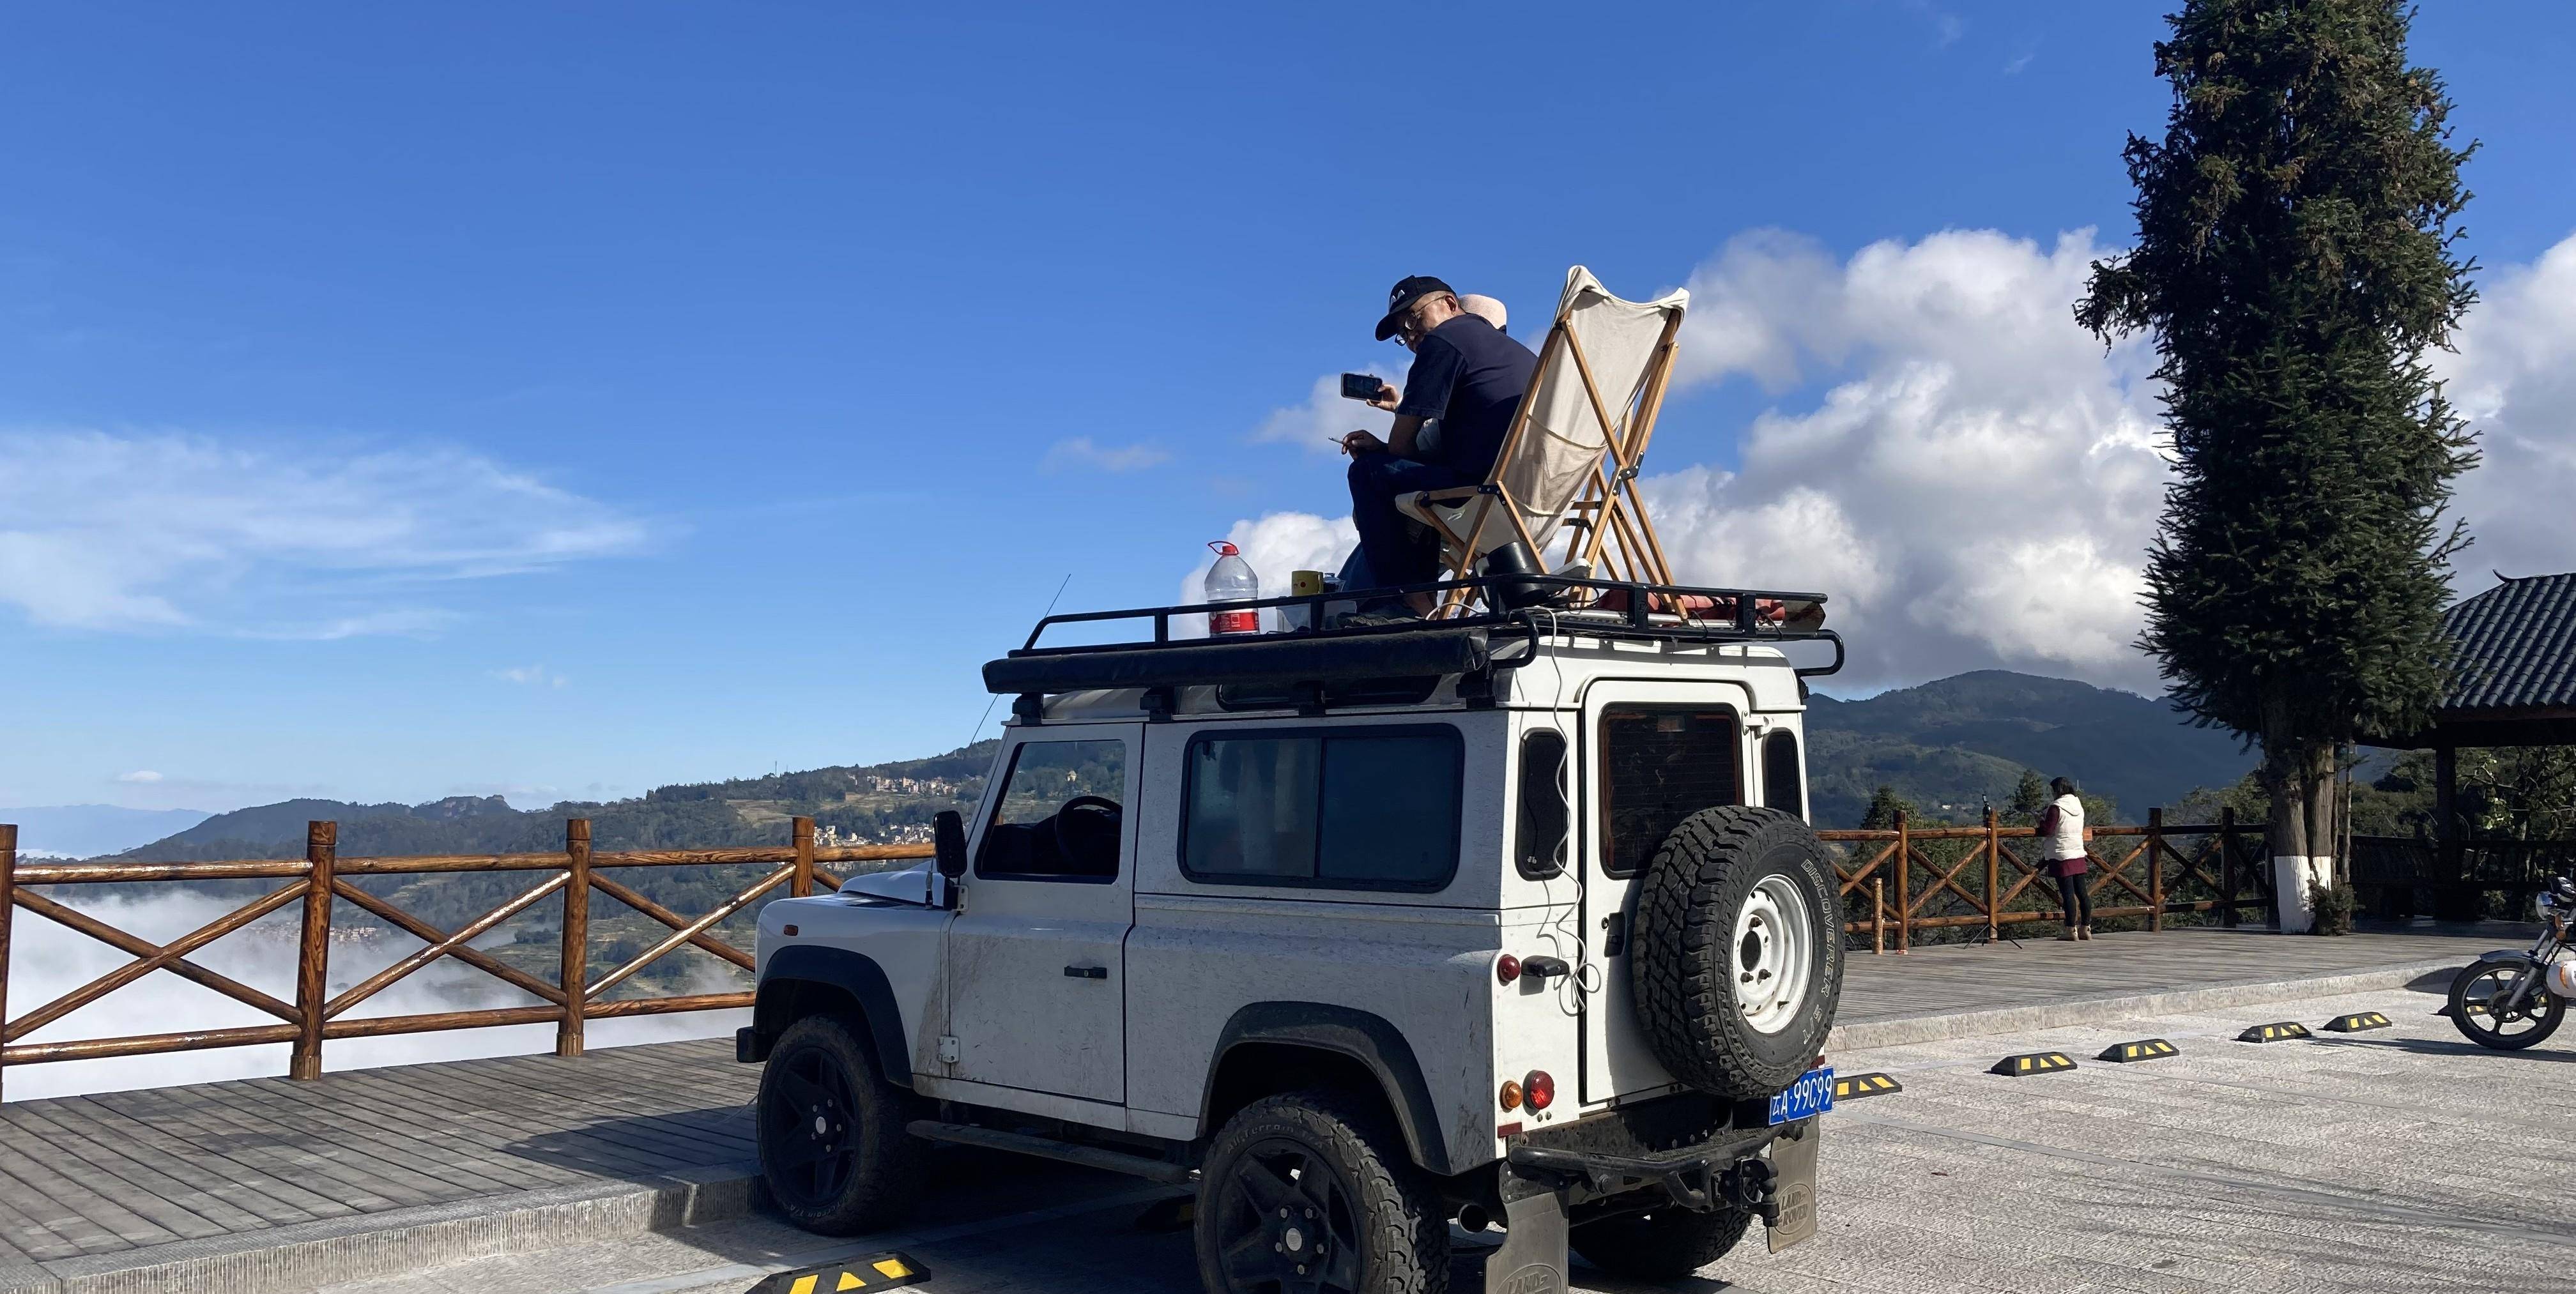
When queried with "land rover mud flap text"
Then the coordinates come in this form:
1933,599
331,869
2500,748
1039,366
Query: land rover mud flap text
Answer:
1793,1159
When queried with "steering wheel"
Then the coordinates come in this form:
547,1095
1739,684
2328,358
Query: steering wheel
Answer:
1086,833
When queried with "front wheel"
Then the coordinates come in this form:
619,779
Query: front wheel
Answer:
2477,999
833,1149
1311,1193
1664,1245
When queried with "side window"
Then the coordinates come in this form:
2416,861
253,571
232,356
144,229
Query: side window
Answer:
1659,765
1780,788
1059,819
1373,808
1539,841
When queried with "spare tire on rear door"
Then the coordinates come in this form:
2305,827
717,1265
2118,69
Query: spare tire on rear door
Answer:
1736,956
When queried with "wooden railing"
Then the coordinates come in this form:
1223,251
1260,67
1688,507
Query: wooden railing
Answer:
1946,878
321,878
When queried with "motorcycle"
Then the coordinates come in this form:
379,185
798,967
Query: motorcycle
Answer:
2511,999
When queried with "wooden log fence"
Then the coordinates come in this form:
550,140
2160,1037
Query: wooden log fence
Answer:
1910,878
321,879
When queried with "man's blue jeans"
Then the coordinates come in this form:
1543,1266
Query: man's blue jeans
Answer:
1396,556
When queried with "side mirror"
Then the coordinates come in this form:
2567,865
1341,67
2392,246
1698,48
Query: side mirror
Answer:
948,843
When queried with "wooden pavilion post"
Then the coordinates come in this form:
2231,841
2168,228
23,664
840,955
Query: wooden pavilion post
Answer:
1994,873
2156,869
801,885
2227,867
2453,901
8,902
1904,906
576,938
313,950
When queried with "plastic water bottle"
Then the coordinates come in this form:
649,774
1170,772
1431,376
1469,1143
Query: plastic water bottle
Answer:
1232,580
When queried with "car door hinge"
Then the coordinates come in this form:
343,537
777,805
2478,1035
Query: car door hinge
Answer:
948,1049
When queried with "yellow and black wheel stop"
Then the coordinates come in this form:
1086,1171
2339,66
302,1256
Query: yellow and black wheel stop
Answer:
877,1271
1853,1086
2274,1032
2122,1053
2357,1022
2028,1063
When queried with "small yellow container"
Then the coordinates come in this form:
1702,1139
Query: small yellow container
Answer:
1305,584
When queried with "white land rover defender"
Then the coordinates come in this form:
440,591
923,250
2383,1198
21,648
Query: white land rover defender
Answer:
1508,919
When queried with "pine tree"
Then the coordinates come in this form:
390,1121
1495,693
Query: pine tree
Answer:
2295,263
1884,805
2030,799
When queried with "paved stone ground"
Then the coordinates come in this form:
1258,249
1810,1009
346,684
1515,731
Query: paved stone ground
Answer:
266,1183
2402,1159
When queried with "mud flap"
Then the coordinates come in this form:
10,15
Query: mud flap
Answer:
1532,1257
1793,1161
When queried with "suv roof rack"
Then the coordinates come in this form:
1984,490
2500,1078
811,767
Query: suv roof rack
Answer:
1461,645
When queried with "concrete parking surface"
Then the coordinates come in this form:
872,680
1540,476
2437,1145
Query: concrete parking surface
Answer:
2398,1159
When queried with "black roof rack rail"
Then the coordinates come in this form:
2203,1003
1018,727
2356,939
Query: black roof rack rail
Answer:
1660,612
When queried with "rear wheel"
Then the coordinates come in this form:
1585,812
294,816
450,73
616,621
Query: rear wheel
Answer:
1311,1193
2477,999
833,1150
1663,1245
1738,957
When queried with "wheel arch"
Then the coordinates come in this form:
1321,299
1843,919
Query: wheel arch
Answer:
807,979
1271,1047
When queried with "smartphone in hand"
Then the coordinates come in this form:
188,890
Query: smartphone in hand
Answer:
1361,386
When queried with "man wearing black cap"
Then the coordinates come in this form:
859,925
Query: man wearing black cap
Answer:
1467,375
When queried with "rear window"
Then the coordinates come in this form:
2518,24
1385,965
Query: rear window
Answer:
1659,765
1367,809
1780,789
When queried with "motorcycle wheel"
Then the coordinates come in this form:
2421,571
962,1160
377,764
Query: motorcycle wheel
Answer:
2478,986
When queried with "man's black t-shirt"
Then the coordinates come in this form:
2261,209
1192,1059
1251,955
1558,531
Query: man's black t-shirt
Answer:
1471,378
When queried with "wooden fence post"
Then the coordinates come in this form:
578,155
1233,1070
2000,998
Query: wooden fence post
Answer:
801,885
576,937
313,950
1904,909
8,900
1877,915
2227,867
1994,872
2156,869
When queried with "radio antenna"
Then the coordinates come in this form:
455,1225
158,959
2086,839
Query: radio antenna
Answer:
997,697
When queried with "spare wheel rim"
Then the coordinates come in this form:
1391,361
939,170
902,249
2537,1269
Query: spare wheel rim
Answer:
1773,953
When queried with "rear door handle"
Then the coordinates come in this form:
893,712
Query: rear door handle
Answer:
1086,972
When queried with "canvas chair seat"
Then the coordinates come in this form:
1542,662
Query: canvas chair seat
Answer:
1572,451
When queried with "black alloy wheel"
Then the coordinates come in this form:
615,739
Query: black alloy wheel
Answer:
833,1149
1287,1223
805,1140
2479,992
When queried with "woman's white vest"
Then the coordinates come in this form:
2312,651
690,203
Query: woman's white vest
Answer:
2068,841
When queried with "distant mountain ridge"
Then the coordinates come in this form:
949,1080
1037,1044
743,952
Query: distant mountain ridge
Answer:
1963,740
86,830
1948,745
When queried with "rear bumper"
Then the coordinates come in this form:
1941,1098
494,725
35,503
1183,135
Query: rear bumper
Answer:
1701,1177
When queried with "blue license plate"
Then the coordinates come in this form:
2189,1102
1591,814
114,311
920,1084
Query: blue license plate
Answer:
1811,1095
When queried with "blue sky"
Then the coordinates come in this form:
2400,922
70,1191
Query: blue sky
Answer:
567,399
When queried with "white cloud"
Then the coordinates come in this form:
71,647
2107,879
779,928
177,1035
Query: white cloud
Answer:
1978,487
2514,377
1319,424
1081,452
140,776
530,676
164,531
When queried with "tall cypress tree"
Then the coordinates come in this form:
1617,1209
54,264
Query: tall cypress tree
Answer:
2295,262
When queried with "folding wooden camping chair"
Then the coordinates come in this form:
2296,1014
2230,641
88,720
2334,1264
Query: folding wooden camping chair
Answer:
1569,462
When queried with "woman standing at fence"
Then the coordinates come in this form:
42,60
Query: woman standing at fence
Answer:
2063,828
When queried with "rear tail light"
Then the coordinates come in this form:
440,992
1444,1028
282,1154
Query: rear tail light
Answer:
1511,1095
1507,968
1538,1091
